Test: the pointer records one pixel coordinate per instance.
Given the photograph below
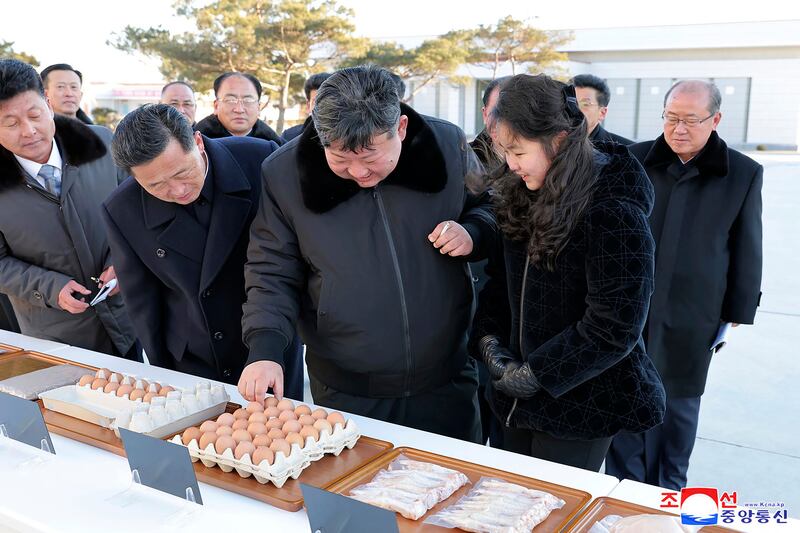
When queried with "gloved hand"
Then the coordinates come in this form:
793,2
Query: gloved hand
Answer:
495,356
518,381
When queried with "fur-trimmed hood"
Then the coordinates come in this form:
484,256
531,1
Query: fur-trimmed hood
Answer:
711,161
421,166
77,142
213,128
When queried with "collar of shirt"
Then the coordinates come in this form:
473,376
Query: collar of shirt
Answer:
33,168
207,192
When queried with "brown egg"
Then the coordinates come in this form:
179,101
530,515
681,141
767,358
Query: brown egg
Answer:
99,383
287,415
258,418
191,434
292,426
295,438
319,413
276,434
271,401
272,412
309,431
306,420
209,426
136,394
224,442
263,453
242,434
225,419
336,418
241,413
280,445
302,410
244,447
262,440
166,389
242,423
285,405
323,425
207,438
274,423
124,389
111,387
142,384
149,397
156,386
255,407
224,430
119,377
86,380
103,373
256,428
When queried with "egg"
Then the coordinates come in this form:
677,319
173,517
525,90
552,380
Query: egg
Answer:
166,389
148,397
258,418
224,442
319,413
263,453
309,431
244,448
191,434
306,420
224,430
207,438
137,394
272,401
242,423
115,377
280,445
241,413
274,423
86,380
291,426
103,373
242,434
255,407
141,384
256,428
123,390
272,412
225,419
287,415
111,387
302,410
285,404
323,425
262,440
275,433
209,426
154,387
99,383
295,438
336,418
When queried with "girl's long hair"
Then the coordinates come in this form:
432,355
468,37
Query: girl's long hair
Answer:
539,108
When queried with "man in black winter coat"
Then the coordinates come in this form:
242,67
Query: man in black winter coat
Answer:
361,244
593,98
707,226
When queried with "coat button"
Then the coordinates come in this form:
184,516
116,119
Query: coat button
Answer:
218,336
206,293
37,295
160,253
226,373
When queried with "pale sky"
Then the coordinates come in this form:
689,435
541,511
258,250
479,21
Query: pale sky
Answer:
75,32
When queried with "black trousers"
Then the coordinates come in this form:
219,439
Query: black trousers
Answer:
658,456
586,454
450,410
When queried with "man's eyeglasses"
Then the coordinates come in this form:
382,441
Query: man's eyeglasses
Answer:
231,101
690,122
586,105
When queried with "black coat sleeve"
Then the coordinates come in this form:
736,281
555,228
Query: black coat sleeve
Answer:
493,316
743,292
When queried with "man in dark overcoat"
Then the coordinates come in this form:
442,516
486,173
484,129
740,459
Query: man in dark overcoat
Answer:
707,226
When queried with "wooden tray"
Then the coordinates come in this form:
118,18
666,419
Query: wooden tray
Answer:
18,363
575,499
605,506
7,349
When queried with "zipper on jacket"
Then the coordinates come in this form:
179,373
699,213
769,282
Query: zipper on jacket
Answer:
521,315
406,328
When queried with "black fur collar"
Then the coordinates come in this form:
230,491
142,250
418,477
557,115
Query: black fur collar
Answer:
78,144
421,166
213,128
711,161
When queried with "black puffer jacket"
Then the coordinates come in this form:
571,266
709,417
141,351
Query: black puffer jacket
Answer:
582,324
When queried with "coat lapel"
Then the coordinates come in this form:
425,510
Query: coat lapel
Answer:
182,234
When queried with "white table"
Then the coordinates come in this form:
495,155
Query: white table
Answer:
30,343
84,497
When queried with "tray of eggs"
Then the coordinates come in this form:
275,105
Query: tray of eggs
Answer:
271,441
113,400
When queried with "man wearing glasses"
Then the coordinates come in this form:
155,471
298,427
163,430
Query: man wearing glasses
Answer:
593,98
180,95
236,109
707,226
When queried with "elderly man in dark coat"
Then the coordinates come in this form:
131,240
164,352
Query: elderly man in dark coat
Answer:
361,243
178,230
707,226
54,174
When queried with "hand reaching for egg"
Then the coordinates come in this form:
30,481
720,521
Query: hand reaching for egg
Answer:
258,377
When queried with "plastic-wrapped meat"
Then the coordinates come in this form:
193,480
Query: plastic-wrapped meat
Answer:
410,487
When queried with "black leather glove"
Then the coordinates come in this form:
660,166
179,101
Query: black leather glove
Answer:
518,382
495,356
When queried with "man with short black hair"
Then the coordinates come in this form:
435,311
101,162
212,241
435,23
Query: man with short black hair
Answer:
180,95
593,98
178,231
236,108
63,88
312,85
483,144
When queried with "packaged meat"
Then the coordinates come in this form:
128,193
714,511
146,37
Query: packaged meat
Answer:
642,523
